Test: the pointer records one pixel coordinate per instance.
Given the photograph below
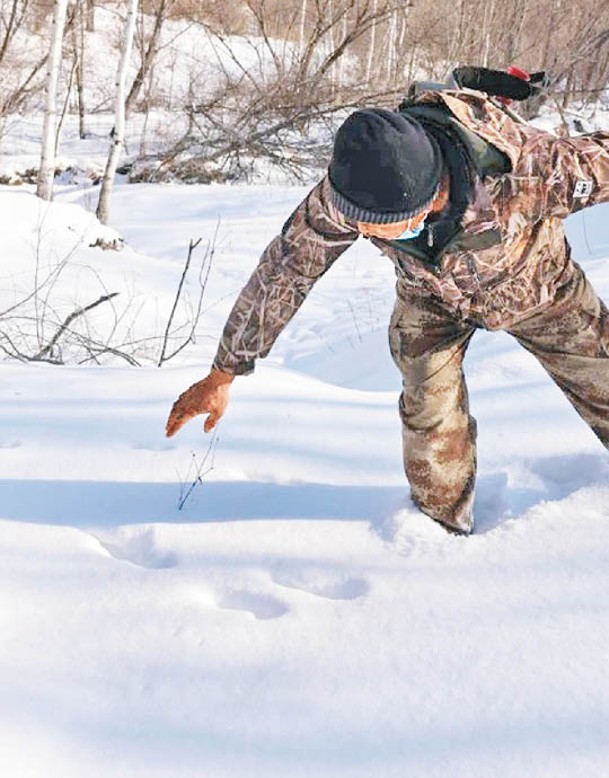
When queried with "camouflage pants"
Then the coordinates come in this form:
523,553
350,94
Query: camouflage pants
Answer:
570,337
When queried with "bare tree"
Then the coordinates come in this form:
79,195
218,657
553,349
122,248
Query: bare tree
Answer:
118,133
303,68
149,49
12,16
307,60
46,173
18,74
90,15
78,39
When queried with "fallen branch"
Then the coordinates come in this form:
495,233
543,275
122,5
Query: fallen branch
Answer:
40,356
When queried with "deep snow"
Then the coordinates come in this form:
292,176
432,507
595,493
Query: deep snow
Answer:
298,617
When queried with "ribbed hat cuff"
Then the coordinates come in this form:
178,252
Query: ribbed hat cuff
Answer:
359,214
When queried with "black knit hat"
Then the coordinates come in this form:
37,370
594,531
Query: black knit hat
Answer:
385,167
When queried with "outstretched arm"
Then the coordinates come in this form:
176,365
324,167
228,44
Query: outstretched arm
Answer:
311,240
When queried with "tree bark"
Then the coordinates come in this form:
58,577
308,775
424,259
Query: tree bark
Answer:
118,135
90,15
46,173
78,45
148,54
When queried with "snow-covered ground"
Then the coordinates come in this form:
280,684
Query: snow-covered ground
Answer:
297,617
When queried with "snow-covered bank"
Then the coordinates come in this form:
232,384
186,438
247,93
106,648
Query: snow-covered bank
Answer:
297,617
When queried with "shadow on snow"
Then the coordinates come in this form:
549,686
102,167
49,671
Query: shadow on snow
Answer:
111,504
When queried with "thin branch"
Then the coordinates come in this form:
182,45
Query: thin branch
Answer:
200,471
68,321
191,247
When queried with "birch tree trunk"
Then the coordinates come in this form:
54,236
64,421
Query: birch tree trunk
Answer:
78,44
90,15
391,48
149,53
118,135
46,172
371,50
303,26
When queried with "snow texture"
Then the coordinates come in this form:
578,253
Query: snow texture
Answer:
298,617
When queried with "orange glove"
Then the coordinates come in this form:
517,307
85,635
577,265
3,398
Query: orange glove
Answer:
207,396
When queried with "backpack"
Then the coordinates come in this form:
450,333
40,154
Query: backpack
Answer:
487,159
513,84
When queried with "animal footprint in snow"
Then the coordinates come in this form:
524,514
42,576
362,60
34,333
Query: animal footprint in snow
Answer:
323,584
261,606
137,546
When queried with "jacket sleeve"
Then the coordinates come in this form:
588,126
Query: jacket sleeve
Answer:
568,174
313,237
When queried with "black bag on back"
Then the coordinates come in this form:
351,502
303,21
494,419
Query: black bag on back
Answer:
498,83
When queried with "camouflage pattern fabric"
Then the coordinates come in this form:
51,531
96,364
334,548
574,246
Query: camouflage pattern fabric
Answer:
509,265
438,432
311,240
570,339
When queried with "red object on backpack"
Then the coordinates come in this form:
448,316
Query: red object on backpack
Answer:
519,73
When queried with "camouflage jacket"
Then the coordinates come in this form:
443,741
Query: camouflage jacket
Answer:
508,260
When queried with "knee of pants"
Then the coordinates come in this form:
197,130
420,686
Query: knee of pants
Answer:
425,408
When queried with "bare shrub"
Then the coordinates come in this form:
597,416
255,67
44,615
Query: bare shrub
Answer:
46,317
267,91
41,324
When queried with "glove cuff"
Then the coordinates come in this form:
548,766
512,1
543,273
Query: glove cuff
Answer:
219,377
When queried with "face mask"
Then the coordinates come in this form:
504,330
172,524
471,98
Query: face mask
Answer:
412,233
414,226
